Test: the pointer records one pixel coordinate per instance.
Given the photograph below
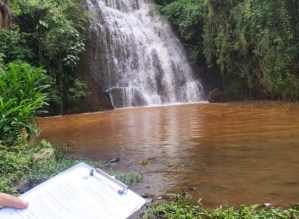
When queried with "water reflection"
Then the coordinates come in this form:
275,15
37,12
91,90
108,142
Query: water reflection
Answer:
239,153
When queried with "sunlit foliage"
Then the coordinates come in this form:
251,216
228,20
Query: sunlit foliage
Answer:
22,97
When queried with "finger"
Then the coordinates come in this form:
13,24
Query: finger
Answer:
11,201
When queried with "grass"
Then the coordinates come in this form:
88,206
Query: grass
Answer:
180,208
21,170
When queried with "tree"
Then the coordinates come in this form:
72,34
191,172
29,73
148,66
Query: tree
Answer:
254,43
49,34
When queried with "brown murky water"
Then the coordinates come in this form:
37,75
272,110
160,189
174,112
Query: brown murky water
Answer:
239,153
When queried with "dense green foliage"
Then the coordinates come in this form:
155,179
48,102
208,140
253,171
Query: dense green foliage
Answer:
21,98
254,43
179,208
49,34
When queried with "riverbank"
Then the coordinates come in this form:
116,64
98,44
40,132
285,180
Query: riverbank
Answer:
179,207
24,166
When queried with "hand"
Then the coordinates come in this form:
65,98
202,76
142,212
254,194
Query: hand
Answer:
11,201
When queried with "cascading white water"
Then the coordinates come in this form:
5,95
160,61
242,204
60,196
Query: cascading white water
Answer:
136,57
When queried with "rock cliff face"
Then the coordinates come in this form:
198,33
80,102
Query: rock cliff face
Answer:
216,96
3,12
97,99
133,59
4,15
1,20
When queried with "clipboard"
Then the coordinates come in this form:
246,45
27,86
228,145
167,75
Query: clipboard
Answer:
80,192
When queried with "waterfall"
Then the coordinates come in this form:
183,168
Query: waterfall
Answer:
136,57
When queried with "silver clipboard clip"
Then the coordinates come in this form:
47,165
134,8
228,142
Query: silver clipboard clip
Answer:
124,187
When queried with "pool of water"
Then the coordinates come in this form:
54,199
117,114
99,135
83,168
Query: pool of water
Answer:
235,153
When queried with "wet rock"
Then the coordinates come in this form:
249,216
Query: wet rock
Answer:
215,96
114,160
127,96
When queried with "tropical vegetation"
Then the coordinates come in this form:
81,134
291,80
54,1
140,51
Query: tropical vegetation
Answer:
253,43
21,99
48,34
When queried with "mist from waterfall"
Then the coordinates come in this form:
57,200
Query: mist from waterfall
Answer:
136,57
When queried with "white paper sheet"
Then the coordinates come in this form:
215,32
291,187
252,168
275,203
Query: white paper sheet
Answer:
74,194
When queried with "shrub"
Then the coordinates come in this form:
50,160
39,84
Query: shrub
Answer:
21,99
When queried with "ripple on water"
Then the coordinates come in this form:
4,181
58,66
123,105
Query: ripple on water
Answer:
240,153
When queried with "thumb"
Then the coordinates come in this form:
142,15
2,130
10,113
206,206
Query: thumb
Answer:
11,201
